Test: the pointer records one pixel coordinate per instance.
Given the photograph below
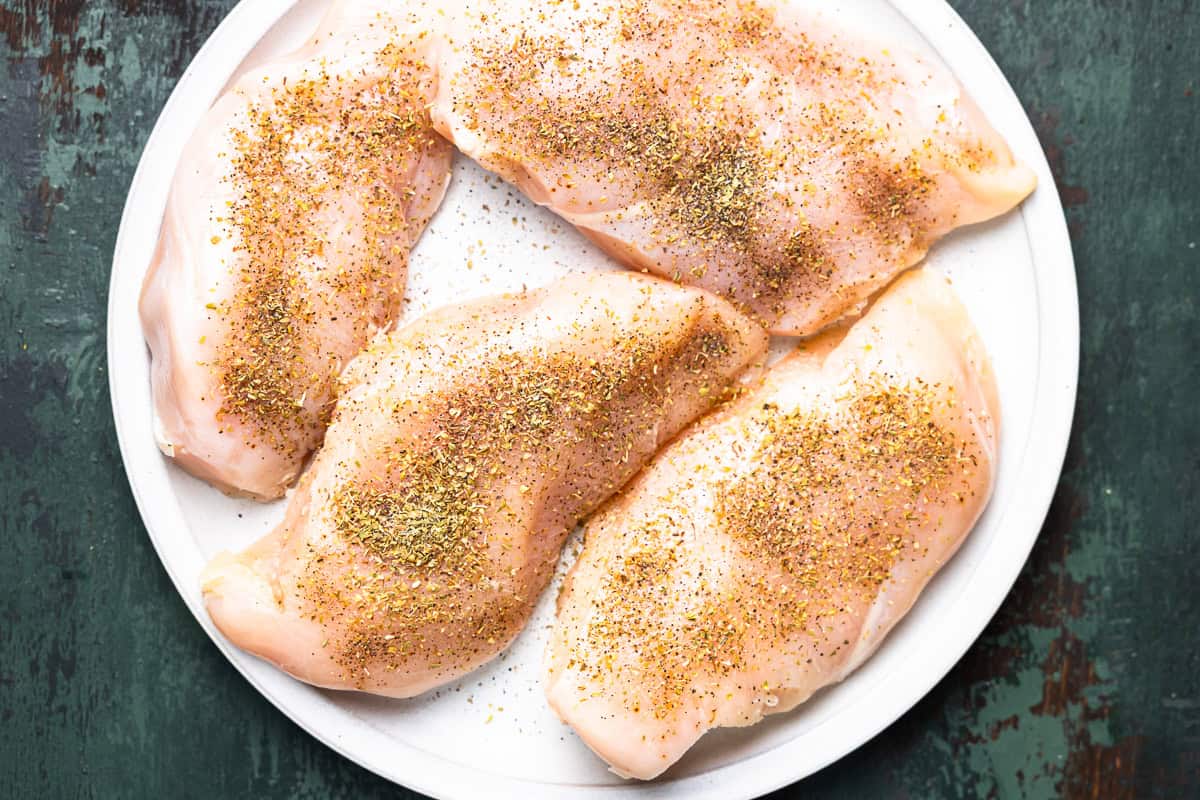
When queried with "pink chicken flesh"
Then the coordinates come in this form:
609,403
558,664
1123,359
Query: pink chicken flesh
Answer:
462,451
284,245
779,157
768,551
776,156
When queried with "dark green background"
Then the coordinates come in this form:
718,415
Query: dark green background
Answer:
1087,684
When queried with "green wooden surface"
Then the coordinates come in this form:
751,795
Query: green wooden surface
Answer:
1087,684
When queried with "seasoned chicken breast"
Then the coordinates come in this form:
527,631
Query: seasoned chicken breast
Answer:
775,156
770,549
284,245
463,450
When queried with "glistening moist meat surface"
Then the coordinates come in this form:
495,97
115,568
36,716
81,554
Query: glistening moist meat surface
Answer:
756,149
767,552
465,447
285,243
752,149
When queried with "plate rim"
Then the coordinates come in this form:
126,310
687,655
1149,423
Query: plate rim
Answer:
1054,403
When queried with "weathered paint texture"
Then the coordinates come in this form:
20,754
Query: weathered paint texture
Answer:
1087,684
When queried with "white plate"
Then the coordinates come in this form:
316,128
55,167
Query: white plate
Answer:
492,732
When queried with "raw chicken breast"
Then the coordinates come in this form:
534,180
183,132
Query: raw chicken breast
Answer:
767,552
768,153
463,450
285,243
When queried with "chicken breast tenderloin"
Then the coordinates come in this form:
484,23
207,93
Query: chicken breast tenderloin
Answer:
463,450
768,551
757,149
285,241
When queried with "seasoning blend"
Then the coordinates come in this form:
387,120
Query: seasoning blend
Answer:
463,450
767,552
285,247
761,150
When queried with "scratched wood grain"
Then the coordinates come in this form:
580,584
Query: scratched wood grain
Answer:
1087,684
